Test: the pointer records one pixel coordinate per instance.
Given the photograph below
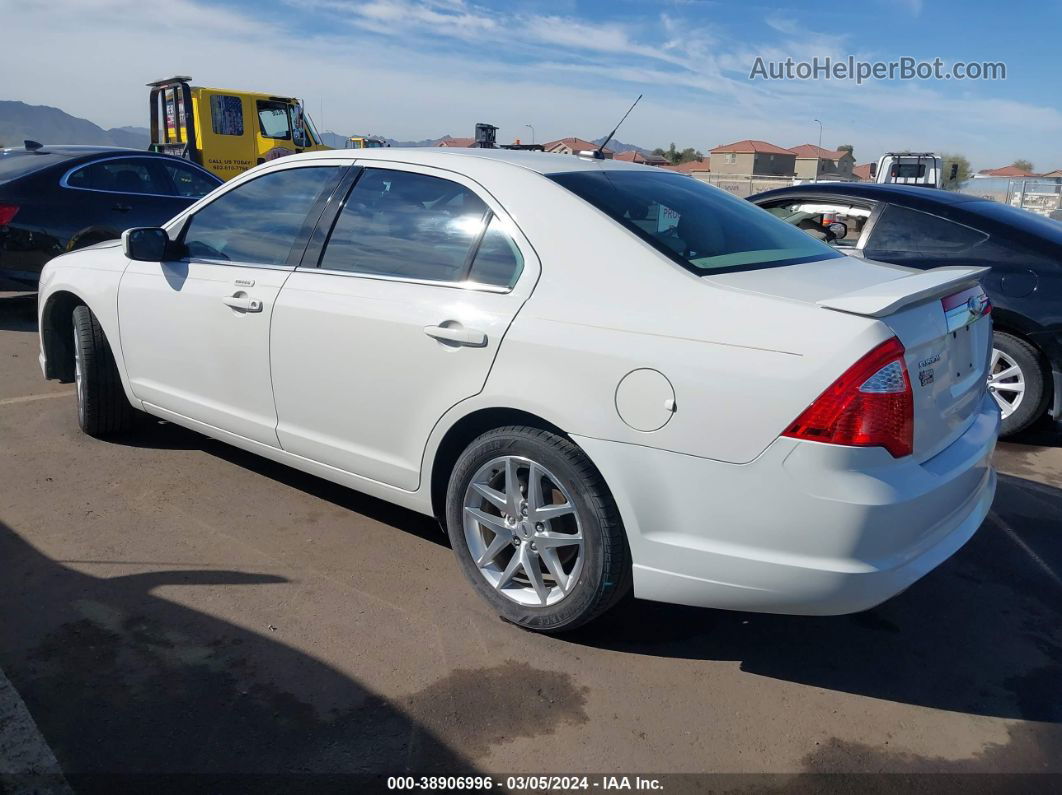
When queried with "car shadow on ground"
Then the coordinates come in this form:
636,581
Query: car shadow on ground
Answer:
18,312
152,433
980,635
122,682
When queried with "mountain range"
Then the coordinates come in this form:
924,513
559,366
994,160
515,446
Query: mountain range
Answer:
20,122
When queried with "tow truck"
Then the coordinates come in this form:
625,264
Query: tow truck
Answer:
366,142
227,131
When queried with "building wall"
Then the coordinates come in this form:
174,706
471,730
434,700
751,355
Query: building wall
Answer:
743,163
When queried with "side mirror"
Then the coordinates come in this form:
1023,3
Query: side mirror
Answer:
954,171
839,230
145,243
873,170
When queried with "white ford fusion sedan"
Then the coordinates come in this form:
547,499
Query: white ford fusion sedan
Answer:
598,375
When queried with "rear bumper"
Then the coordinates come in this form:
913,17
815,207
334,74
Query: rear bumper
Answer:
806,528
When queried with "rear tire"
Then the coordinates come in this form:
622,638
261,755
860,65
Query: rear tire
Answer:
576,581
1022,396
102,407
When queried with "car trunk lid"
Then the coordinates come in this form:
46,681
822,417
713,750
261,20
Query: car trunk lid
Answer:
940,316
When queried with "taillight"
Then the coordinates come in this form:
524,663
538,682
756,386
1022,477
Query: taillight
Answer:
7,213
870,405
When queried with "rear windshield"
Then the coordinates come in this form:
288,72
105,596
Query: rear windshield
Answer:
700,227
15,163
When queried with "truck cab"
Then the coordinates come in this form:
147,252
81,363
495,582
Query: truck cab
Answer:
366,142
910,168
227,131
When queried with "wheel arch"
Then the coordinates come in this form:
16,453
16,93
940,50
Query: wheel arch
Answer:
461,433
95,231
57,331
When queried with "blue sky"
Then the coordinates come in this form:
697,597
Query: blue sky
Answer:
421,69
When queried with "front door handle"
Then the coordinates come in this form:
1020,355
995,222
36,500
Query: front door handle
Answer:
458,335
243,303
122,208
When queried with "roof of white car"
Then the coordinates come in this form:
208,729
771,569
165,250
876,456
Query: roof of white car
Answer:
447,157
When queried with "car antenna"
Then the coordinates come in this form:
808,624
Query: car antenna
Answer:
599,153
32,146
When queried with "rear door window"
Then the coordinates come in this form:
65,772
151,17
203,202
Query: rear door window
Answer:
122,175
407,225
226,114
259,221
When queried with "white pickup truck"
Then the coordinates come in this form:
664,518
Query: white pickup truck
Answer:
911,168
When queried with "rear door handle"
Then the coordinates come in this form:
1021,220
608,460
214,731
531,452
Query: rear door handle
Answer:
470,337
122,208
243,303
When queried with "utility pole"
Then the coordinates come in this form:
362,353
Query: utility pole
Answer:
532,132
820,131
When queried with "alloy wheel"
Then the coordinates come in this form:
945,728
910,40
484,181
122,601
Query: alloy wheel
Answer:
1006,382
523,532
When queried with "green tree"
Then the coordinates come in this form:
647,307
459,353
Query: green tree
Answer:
962,173
1024,165
674,156
847,148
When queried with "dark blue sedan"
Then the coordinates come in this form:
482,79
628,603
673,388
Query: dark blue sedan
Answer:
55,199
926,228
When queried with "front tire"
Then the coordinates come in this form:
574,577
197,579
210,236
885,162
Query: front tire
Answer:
536,530
102,407
1017,382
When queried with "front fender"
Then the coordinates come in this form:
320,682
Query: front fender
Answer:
90,277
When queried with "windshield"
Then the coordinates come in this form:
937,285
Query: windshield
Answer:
700,227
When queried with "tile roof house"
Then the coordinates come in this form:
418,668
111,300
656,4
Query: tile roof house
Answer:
573,146
692,167
751,157
1006,171
862,172
461,143
1056,174
634,156
814,162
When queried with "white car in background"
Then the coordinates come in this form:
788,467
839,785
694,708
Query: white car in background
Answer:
596,374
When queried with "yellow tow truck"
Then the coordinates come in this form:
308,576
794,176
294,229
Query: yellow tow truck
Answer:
226,131
366,142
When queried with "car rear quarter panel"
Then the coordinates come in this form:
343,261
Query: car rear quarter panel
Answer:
742,366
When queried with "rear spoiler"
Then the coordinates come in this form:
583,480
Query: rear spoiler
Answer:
885,298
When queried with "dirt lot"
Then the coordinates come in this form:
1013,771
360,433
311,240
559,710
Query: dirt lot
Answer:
169,604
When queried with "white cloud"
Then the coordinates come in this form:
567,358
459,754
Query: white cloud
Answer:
416,76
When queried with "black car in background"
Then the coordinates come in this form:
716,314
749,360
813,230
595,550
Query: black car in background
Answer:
926,228
58,198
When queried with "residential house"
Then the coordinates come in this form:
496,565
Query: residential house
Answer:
862,172
634,156
1006,171
695,168
460,143
814,162
755,158
573,146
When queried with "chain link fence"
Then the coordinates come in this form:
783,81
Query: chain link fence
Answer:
1042,196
